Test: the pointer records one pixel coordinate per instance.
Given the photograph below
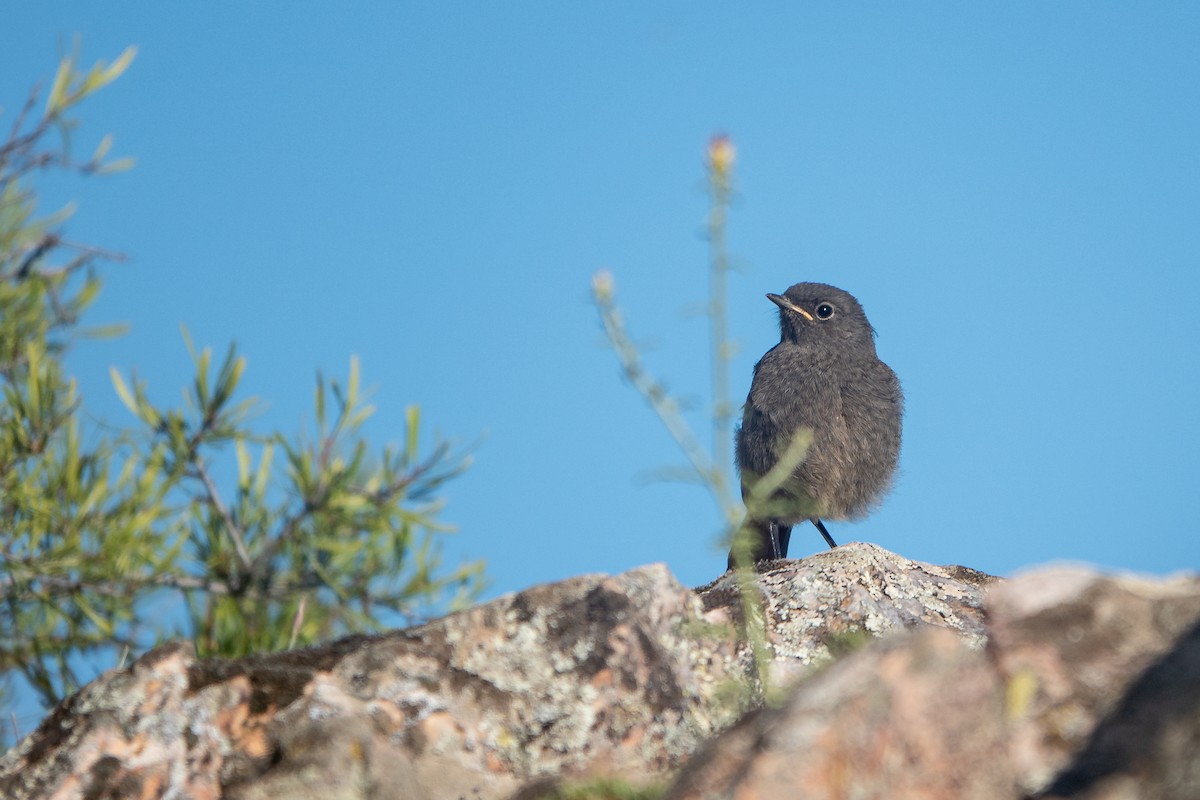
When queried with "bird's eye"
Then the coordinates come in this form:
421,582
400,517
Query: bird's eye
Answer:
824,311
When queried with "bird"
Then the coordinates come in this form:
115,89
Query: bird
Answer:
825,382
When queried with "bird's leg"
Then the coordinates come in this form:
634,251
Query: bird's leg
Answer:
771,544
780,535
821,527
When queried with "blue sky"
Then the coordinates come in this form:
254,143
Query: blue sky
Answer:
1012,192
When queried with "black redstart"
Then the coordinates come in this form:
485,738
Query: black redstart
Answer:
822,380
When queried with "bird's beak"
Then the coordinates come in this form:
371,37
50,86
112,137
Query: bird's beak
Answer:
788,305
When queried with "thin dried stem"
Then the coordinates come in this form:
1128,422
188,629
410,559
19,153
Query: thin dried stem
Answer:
656,395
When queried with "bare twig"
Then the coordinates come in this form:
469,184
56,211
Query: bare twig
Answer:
654,393
298,621
720,163
91,250
18,142
16,588
712,469
231,527
19,122
48,242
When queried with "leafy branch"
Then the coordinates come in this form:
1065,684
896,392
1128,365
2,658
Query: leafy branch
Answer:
191,521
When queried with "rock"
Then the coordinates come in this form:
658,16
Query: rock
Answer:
888,677
1089,688
820,605
1147,745
593,675
1078,649
875,724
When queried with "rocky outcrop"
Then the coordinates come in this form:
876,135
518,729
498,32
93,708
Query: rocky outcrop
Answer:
906,680
594,673
915,717
1087,688
820,606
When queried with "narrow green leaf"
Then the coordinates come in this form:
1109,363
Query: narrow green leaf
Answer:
264,470
33,353
87,293
62,77
243,462
202,377
187,341
92,81
127,471
58,217
123,164
93,497
102,148
123,391
97,619
149,475
352,384
320,397
412,418
361,416
120,64
348,503
235,375
71,458
106,331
